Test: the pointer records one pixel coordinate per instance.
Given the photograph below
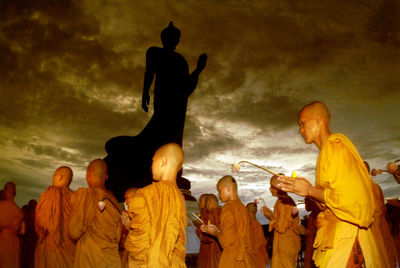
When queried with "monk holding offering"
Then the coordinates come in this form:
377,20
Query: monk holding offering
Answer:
257,237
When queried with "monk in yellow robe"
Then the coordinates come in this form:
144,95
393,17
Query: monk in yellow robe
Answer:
55,248
11,225
158,212
343,189
257,237
234,232
126,221
284,221
312,207
203,256
95,221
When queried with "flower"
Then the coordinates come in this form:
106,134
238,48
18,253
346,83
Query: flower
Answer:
235,168
101,205
391,167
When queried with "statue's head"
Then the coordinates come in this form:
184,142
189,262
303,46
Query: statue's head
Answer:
170,37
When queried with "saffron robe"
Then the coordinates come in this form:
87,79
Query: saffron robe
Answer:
97,232
349,205
11,224
54,248
157,236
286,243
210,244
205,240
235,237
259,243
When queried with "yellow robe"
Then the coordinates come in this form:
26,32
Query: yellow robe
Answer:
97,232
211,243
157,236
286,244
11,224
235,237
349,205
259,243
381,230
54,247
204,251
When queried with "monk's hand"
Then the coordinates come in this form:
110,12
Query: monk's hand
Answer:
126,221
299,185
267,212
145,101
210,229
201,62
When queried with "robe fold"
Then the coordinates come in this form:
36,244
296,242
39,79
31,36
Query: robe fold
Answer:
97,232
54,247
259,243
235,237
210,244
157,235
286,243
310,237
203,255
11,225
349,206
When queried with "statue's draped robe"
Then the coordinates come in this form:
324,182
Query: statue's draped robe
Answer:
286,244
157,235
54,248
349,207
97,232
235,237
11,222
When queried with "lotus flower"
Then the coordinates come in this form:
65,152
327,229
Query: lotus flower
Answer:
101,205
392,167
235,168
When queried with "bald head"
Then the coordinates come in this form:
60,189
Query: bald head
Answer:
228,181
227,189
62,176
97,173
211,202
202,201
167,162
317,107
9,191
252,208
130,194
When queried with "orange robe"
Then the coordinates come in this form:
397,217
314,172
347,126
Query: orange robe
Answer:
211,243
286,243
205,240
349,205
312,231
97,232
235,237
381,230
11,224
157,236
259,243
54,248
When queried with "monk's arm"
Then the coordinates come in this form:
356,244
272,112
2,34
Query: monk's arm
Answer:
76,224
282,220
301,186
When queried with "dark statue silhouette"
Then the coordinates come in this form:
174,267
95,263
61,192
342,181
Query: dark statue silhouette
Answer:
129,158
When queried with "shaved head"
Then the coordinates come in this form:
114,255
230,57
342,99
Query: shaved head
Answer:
228,181
130,194
97,173
62,176
202,200
167,162
211,202
252,207
174,153
9,191
317,107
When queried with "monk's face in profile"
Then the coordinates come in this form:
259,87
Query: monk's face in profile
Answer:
223,192
273,188
309,128
211,203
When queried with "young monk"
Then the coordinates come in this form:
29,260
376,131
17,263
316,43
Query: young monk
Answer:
158,213
11,225
343,188
126,221
284,221
257,237
55,248
234,233
95,221
203,256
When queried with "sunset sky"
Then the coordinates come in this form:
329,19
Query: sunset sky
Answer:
72,76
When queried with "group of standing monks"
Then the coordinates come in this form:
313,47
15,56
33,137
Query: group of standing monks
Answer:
85,228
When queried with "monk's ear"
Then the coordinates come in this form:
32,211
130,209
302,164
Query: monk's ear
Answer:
164,161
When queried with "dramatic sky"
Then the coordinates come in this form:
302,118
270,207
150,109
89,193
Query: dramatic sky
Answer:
72,76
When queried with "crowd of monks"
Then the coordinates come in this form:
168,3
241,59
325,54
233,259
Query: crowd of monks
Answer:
347,225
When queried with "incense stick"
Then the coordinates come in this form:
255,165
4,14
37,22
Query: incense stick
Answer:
197,217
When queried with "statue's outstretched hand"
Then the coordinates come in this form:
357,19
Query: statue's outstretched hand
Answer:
201,62
145,101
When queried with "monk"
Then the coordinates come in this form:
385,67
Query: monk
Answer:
30,238
202,257
343,189
234,232
12,224
312,207
284,221
210,244
126,221
257,237
95,221
55,248
158,212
